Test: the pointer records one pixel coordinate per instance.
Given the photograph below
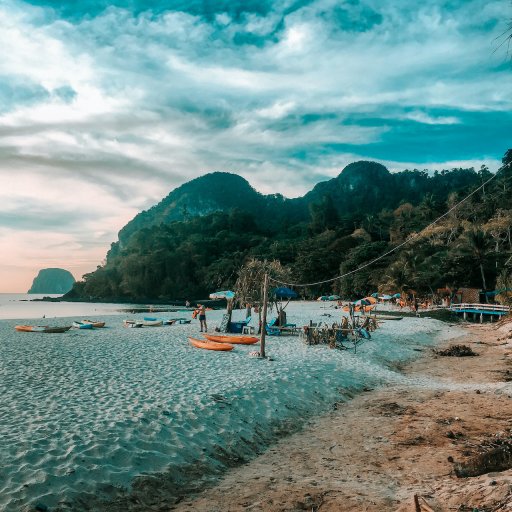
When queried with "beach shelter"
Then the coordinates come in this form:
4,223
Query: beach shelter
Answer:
334,297
323,297
284,293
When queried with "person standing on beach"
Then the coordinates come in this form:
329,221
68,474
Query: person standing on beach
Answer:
202,318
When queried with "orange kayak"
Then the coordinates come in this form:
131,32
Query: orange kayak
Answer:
210,345
240,340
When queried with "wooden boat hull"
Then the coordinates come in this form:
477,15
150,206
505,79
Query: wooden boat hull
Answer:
239,340
41,328
210,345
96,325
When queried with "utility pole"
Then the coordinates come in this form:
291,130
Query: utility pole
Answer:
264,319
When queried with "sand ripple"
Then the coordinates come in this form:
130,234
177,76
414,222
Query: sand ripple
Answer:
83,413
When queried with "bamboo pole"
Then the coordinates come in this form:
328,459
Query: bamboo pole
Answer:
264,319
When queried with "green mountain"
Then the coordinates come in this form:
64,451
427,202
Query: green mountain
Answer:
195,240
52,280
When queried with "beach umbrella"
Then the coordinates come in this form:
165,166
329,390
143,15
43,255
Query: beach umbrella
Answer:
397,296
226,294
385,297
334,297
371,300
323,297
375,295
361,302
284,293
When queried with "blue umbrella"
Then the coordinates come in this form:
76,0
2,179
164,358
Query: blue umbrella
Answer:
227,294
361,302
396,296
284,293
375,295
334,297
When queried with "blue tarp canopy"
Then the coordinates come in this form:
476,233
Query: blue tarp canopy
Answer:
226,294
284,293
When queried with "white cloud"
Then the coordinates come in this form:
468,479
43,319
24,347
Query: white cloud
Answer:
160,98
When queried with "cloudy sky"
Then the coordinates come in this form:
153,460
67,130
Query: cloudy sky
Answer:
107,106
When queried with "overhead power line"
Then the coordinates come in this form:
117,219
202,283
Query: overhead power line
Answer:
391,251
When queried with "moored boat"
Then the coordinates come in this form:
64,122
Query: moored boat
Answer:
152,323
81,325
240,340
133,323
41,328
94,323
210,345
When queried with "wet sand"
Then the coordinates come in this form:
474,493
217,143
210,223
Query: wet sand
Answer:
390,449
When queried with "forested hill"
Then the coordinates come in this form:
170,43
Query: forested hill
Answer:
195,240
361,188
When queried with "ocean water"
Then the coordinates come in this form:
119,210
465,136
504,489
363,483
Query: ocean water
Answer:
22,305
84,413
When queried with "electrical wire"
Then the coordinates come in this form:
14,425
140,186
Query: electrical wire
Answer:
391,251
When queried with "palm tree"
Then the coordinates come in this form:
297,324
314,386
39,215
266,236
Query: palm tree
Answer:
477,244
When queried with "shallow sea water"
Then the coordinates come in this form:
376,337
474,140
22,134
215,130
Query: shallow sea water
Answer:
90,410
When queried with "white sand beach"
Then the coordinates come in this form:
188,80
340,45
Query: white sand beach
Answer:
393,448
137,419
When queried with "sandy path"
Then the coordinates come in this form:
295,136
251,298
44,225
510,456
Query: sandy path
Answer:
383,447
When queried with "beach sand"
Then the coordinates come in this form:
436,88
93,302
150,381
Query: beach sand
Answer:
379,450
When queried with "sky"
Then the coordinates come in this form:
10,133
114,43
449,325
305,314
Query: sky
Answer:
105,107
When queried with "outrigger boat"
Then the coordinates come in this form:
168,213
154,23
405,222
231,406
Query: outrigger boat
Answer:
210,345
240,340
133,323
41,328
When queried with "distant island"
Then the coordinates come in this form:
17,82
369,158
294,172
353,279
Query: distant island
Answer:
52,280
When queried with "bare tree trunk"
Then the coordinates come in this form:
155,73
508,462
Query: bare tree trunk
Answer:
264,319
483,278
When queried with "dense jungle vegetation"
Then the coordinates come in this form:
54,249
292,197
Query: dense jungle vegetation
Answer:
196,239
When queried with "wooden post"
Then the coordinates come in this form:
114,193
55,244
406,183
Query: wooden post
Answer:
264,316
